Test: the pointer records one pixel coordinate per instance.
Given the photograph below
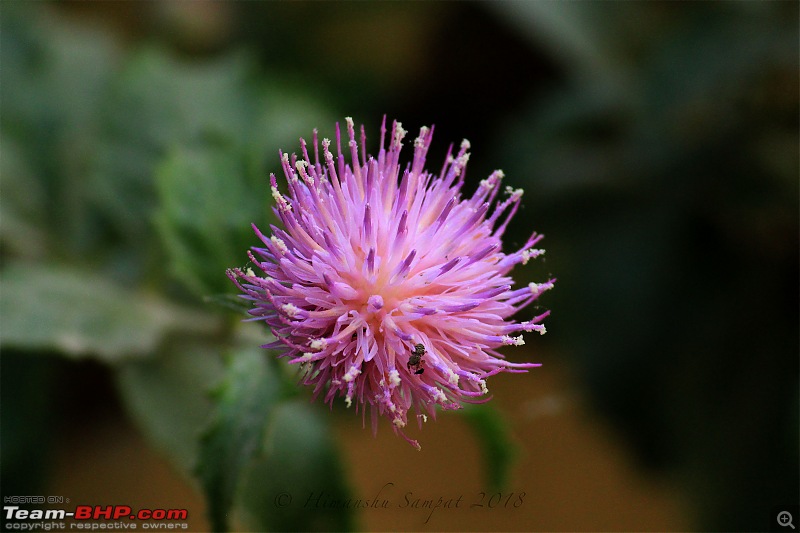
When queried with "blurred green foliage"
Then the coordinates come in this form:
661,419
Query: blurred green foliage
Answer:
74,312
246,401
494,438
658,144
668,174
124,173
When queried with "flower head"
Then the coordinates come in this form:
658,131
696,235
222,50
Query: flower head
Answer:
387,286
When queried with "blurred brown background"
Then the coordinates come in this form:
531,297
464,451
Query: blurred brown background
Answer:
576,474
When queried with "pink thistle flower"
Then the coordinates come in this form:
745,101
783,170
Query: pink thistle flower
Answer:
386,285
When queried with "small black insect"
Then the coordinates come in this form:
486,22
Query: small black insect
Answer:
415,360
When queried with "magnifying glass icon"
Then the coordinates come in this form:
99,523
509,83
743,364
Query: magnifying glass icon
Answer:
785,519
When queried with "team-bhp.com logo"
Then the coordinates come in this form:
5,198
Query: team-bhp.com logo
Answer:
87,517
116,512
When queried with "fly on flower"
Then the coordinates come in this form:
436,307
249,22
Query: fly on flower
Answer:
375,260
415,361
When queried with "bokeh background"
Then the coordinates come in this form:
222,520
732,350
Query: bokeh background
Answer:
658,147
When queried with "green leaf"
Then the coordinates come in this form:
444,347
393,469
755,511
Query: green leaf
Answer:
168,397
298,484
495,441
79,313
155,103
213,188
236,434
205,215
